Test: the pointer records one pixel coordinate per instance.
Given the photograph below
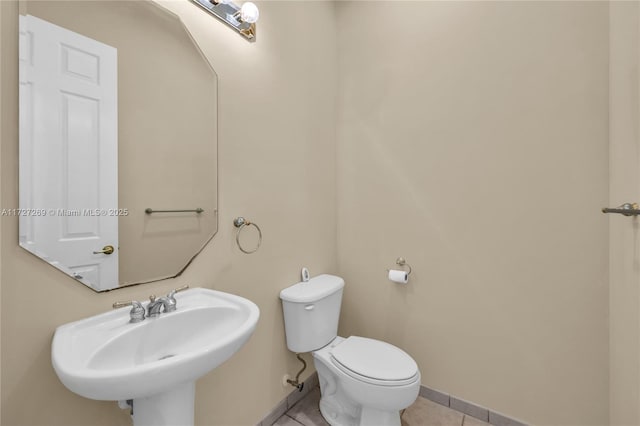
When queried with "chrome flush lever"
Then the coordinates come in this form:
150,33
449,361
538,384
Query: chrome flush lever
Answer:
626,209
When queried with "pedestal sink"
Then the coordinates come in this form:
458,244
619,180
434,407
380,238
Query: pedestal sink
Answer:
154,362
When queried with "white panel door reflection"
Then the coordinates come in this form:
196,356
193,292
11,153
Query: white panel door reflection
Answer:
69,151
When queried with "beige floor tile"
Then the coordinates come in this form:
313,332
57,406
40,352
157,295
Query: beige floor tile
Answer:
472,421
307,411
426,413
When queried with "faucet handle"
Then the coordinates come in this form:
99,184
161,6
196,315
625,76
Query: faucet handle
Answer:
171,300
177,290
117,305
137,311
152,298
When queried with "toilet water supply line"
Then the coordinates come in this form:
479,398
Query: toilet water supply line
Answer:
296,383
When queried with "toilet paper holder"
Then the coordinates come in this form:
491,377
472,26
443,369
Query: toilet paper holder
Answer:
401,262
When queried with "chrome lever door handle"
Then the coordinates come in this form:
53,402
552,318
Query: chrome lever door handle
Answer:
105,250
626,209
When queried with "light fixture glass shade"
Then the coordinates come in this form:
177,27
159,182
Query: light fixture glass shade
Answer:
249,13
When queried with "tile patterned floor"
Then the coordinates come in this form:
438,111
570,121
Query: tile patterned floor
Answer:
422,413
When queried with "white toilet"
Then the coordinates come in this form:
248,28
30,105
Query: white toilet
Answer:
362,381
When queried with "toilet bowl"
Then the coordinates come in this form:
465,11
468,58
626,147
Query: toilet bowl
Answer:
363,382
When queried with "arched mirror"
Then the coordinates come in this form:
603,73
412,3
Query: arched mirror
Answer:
118,141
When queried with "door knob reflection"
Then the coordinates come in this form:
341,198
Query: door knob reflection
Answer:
105,250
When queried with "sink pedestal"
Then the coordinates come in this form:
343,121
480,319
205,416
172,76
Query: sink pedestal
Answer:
172,408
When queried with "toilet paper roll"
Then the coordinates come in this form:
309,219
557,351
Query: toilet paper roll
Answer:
398,276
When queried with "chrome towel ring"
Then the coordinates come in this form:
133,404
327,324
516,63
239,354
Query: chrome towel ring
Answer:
240,222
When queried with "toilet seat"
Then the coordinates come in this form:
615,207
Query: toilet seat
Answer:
373,361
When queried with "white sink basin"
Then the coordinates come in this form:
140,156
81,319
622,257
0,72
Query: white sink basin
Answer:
106,357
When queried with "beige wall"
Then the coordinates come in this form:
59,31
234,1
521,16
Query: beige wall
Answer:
167,130
472,140
277,167
624,275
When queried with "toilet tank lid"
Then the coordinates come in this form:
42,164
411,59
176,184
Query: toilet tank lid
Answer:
313,290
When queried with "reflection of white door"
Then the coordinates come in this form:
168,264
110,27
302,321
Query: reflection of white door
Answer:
68,150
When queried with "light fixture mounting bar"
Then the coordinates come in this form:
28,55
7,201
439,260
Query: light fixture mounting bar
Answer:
227,13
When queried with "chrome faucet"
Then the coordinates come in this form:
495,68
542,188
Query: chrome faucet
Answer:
137,311
164,304
154,308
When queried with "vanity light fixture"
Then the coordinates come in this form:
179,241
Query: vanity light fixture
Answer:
242,19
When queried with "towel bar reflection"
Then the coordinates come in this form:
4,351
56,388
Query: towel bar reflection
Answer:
151,211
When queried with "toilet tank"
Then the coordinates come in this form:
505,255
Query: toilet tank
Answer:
311,312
